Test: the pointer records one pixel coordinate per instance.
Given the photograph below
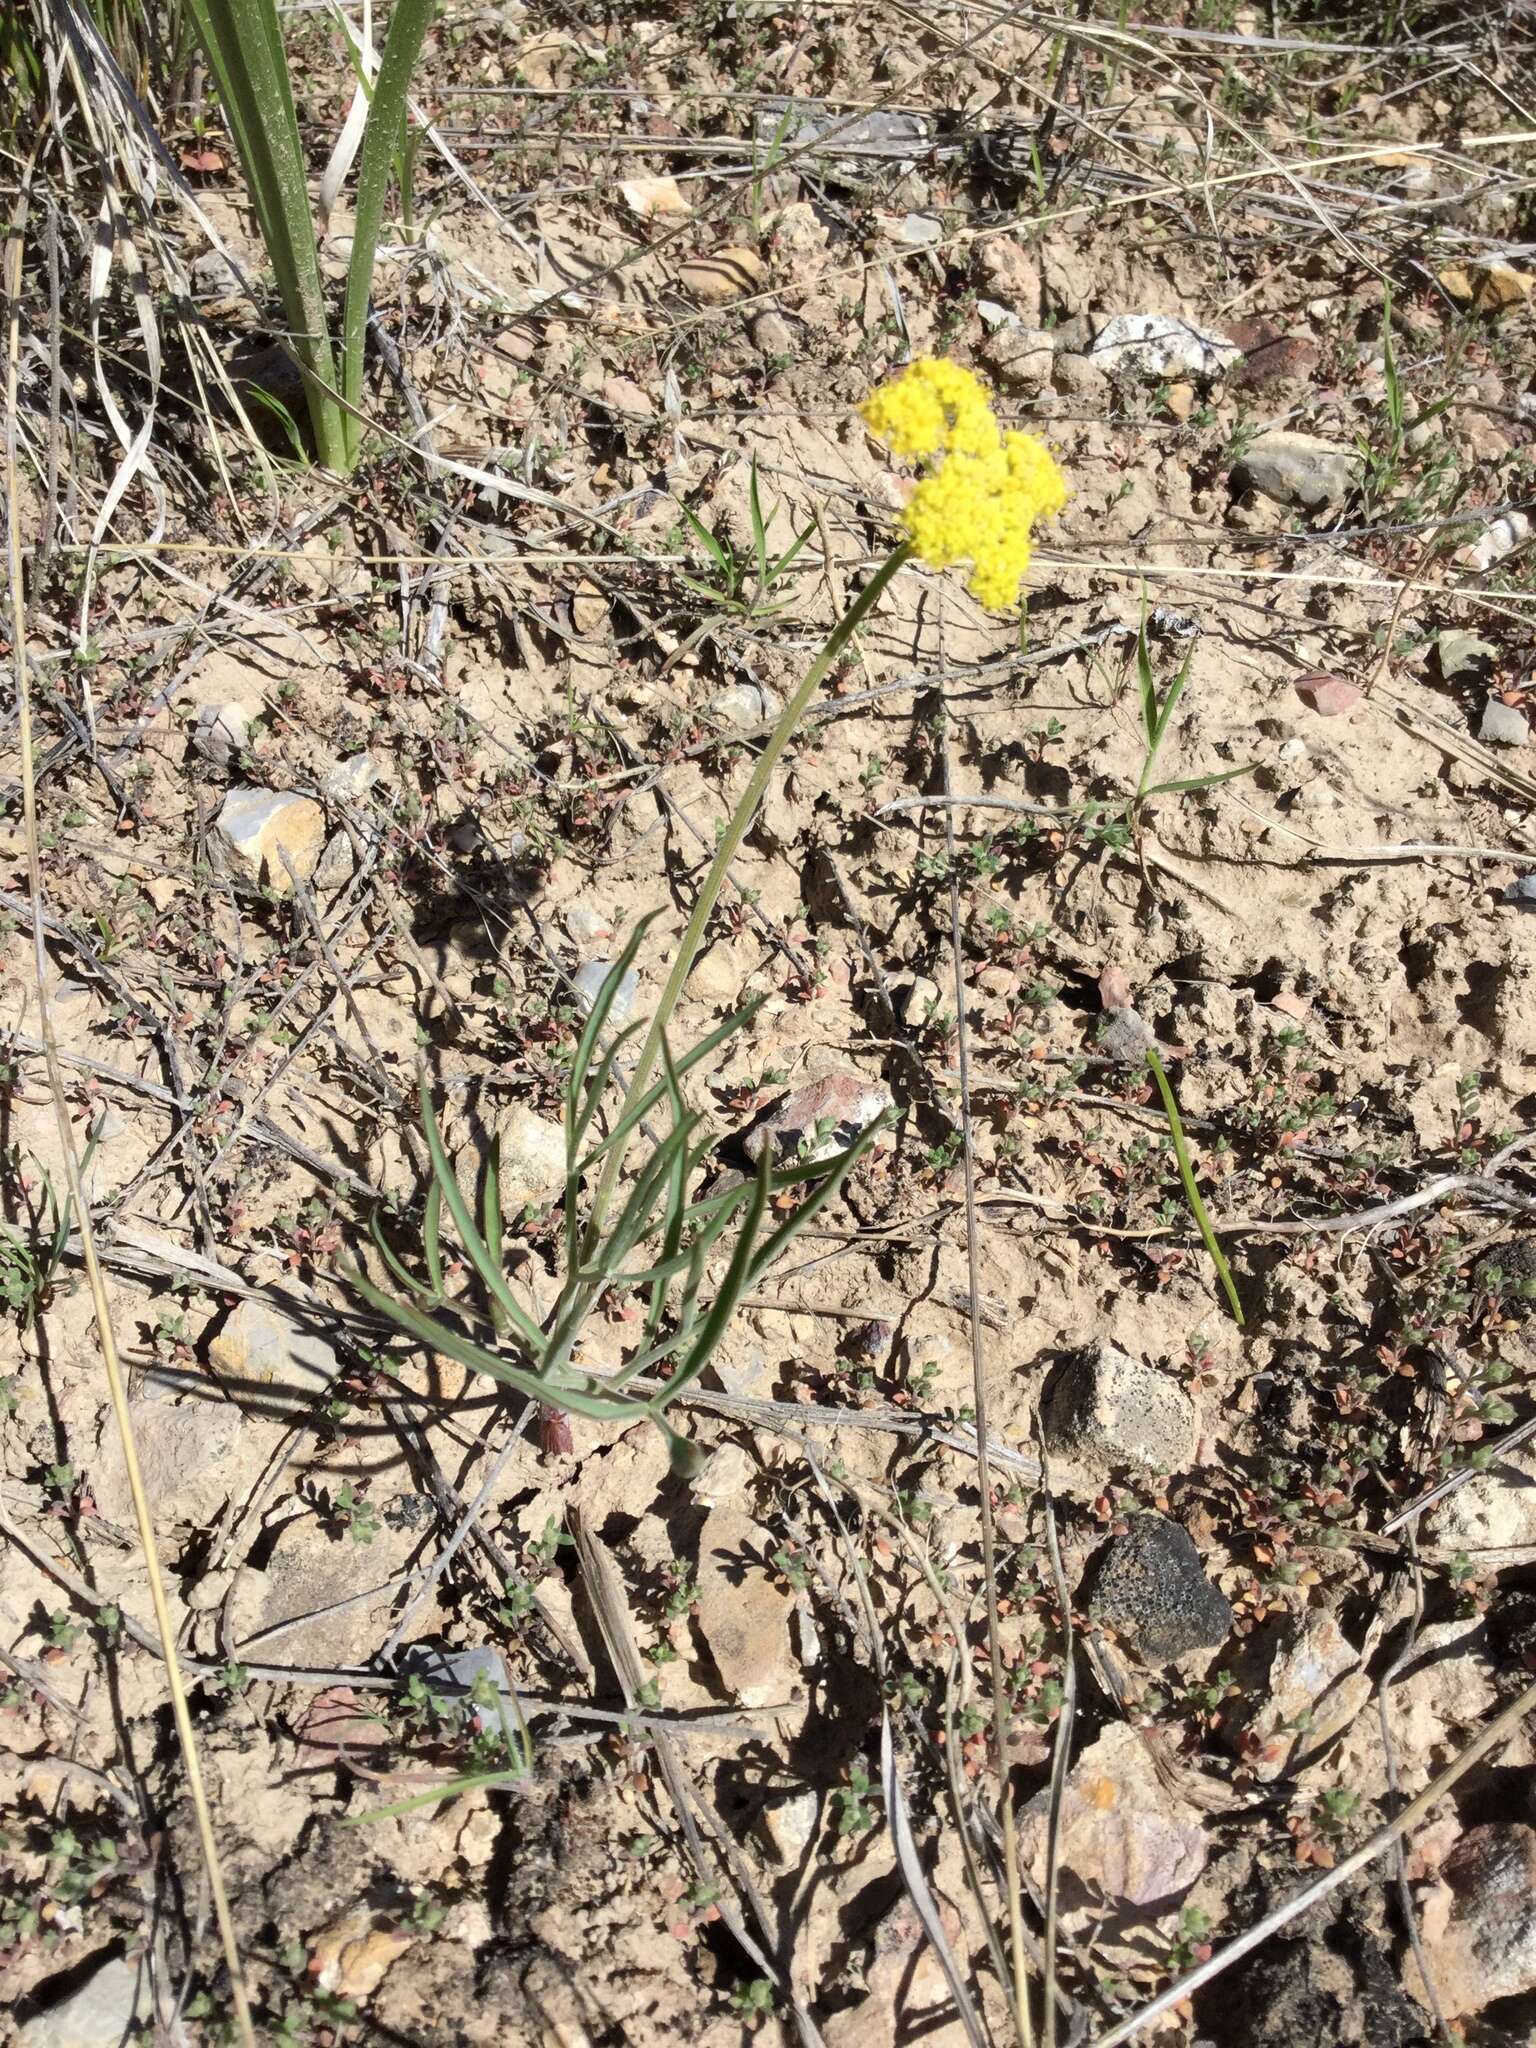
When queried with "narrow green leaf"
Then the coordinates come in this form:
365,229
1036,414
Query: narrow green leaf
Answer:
759,529
1187,1175
732,1287
1192,782
789,554
473,1244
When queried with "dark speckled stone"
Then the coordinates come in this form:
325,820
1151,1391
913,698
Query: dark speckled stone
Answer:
1149,1587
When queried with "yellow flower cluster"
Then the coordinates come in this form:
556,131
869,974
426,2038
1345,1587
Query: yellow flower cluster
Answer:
989,485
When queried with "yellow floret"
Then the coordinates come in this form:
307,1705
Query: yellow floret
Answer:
980,502
932,408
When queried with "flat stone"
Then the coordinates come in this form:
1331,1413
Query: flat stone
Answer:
1329,696
258,1346
221,732
727,274
1503,725
98,2015
254,823
1460,654
350,780
1150,1587
743,1614
588,983
1479,1926
839,1106
1315,1680
1153,345
1125,1034
1108,1410
1272,359
1298,469
183,1451
1123,1834
743,706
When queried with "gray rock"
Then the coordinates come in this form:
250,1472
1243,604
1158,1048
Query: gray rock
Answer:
854,147
1316,1688
1157,345
259,1346
744,706
188,1455
1023,357
588,982
1125,1035
455,1674
257,826
772,334
350,780
1108,1410
1464,654
586,925
1148,1585
1522,892
1503,725
221,732
917,230
1298,469
98,2015
338,864
917,1000
1077,376
212,272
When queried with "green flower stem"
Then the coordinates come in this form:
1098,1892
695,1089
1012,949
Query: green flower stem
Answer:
736,830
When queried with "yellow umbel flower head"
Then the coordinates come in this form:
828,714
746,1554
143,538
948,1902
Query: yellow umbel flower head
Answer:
987,486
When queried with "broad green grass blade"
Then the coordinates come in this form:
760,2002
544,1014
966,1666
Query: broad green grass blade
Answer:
408,25
242,41
441,1336
1187,1175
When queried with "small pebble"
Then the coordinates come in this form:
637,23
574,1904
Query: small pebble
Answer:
588,982
1503,725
